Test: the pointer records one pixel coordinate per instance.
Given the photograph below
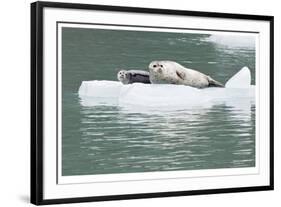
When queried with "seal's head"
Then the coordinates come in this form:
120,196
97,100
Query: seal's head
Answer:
164,71
122,76
156,67
156,72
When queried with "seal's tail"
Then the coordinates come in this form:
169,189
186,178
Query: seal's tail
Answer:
214,83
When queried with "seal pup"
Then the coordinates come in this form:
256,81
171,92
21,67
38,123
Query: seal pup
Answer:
133,76
171,72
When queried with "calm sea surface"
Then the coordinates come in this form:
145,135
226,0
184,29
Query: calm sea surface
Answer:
109,139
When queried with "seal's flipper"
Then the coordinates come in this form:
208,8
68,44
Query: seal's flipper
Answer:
214,83
180,75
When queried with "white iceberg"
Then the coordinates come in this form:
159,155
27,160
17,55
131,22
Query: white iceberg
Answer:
238,41
101,89
242,79
237,93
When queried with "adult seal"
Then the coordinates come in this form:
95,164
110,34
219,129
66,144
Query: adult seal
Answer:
133,76
171,72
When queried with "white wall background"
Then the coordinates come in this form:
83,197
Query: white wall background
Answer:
15,109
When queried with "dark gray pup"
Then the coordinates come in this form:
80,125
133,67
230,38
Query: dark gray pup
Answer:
133,76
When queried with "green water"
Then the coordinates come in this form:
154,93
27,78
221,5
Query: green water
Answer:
108,139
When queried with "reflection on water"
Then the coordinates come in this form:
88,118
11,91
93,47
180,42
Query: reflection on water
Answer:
107,138
122,139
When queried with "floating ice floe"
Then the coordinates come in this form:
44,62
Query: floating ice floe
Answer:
237,93
242,41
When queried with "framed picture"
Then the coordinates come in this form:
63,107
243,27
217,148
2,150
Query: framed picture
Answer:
133,103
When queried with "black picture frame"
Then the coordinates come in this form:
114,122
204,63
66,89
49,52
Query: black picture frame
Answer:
37,101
